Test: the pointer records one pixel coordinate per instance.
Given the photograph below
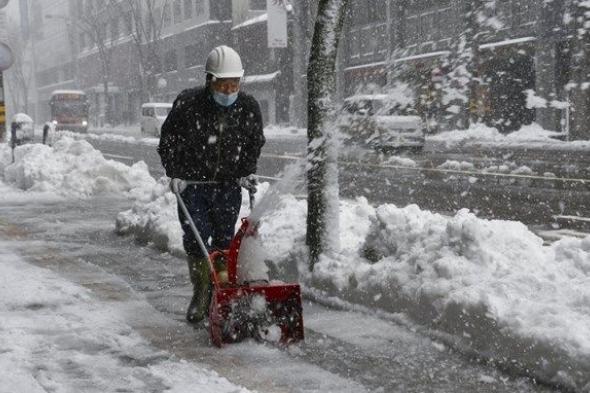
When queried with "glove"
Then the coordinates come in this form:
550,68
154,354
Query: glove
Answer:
249,183
177,185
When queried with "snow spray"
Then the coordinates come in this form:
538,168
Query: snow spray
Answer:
252,256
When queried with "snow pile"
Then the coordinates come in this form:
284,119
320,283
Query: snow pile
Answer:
274,131
56,336
153,218
530,135
70,168
111,137
457,166
401,161
492,284
477,132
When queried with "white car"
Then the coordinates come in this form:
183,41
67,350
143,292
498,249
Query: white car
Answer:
153,115
372,121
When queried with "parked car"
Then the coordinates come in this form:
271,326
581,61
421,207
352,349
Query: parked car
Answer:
22,129
375,121
153,115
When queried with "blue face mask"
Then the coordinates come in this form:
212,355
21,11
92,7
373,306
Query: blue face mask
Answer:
225,99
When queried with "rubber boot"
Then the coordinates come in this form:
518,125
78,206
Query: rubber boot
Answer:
199,274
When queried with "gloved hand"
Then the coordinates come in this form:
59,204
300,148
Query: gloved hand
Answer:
249,183
177,185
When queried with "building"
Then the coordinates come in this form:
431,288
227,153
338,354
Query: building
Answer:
506,48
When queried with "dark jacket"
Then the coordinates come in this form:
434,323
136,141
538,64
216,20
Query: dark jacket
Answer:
201,140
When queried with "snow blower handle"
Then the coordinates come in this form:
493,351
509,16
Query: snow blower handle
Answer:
191,223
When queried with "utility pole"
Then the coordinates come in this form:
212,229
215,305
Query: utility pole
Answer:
6,60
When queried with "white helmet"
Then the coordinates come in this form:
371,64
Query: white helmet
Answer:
224,62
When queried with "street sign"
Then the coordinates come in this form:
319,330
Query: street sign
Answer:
277,23
6,57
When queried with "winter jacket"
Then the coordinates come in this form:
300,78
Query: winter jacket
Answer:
204,141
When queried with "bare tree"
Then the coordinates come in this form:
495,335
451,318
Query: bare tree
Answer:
18,77
147,22
580,96
322,174
94,22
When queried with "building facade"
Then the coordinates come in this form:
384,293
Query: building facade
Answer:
503,57
515,54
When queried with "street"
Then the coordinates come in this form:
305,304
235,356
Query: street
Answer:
536,187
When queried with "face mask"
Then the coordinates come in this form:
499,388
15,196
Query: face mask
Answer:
225,99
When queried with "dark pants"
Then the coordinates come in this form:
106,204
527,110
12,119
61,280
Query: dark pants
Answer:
214,207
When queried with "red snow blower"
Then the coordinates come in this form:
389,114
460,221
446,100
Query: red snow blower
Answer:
266,311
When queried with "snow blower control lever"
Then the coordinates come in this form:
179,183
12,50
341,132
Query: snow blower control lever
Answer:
267,311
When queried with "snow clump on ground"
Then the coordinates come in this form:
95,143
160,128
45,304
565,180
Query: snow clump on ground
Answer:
70,168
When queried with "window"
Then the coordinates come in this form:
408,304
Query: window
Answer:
258,5
148,112
177,11
80,9
200,7
188,9
354,46
156,17
102,32
377,11
359,16
128,22
82,40
115,32
68,71
167,17
220,9
192,55
170,61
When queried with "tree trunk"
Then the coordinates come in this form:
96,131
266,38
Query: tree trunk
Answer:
322,174
580,96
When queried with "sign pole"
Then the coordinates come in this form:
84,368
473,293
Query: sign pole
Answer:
2,110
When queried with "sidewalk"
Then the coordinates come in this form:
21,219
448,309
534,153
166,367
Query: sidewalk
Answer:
71,331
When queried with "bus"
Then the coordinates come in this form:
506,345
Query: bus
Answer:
69,110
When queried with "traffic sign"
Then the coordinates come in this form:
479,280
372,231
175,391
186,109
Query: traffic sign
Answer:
6,57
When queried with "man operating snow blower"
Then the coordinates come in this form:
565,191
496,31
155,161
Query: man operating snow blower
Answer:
210,144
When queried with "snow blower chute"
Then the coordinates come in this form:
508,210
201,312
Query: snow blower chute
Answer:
262,309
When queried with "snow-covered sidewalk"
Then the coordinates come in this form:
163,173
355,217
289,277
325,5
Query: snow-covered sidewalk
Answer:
58,336
532,136
490,286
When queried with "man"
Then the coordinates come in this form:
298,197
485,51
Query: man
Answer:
212,135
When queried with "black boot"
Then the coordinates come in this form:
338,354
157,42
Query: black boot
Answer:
200,278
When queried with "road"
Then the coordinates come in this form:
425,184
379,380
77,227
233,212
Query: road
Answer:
344,351
537,187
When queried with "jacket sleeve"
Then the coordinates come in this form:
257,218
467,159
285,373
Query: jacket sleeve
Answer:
251,150
170,145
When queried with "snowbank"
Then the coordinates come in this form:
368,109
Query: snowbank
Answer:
56,336
70,168
132,134
493,285
114,136
532,135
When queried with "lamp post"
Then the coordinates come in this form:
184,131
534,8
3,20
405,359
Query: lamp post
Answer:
6,60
